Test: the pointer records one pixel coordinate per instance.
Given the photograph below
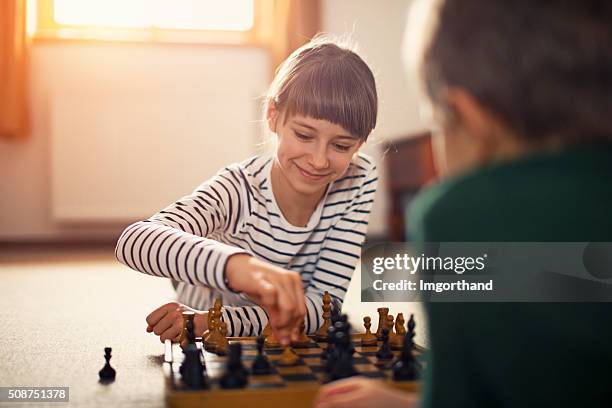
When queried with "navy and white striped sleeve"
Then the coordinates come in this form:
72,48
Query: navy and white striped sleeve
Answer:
173,243
340,253
244,320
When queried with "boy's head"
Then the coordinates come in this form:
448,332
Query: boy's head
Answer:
509,77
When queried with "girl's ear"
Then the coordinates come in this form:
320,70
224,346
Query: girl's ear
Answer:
272,115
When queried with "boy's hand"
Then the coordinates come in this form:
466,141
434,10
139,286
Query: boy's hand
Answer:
167,321
277,290
357,392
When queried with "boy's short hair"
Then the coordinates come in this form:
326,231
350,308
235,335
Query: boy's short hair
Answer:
327,81
544,67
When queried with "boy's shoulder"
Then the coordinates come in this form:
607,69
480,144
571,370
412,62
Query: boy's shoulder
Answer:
514,200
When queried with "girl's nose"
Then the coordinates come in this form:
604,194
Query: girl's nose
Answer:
318,160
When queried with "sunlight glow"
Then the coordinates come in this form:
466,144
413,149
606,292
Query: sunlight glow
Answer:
235,15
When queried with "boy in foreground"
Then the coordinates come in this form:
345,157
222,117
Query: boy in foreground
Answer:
522,95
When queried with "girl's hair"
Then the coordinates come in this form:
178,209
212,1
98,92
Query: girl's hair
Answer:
327,81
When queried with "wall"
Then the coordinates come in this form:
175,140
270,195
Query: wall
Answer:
69,79
26,193
378,30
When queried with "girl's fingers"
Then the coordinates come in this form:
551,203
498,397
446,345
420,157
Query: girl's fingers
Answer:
167,321
155,316
172,332
300,300
336,387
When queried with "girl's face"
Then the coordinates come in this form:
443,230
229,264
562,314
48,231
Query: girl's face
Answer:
311,153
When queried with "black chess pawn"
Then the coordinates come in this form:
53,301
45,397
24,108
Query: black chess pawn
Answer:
327,351
261,364
192,369
335,310
236,374
407,368
191,337
190,344
384,352
107,373
343,361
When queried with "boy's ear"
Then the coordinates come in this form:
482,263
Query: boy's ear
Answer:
272,115
477,122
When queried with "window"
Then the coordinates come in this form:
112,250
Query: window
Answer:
223,21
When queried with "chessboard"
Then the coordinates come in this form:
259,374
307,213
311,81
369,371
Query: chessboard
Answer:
295,386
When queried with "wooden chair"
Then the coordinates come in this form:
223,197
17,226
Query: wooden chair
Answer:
409,166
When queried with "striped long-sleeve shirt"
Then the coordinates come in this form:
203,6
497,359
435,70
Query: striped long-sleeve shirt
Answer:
234,212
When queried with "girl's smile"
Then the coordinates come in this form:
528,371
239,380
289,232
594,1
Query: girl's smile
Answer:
310,175
311,153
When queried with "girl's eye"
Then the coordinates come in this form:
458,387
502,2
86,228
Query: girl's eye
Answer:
302,136
341,147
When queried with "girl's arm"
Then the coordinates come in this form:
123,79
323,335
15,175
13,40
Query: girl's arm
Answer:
335,267
174,243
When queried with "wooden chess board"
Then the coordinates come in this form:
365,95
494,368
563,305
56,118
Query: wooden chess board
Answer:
294,386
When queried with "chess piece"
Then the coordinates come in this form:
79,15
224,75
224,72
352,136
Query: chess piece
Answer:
389,325
181,337
328,351
183,340
342,325
236,375
267,331
382,321
208,325
189,342
192,368
368,339
214,323
411,326
384,352
396,340
407,367
343,362
107,373
261,364
288,358
336,308
270,339
221,343
216,341
303,340
321,334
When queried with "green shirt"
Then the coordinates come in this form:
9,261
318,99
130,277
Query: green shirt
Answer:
521,354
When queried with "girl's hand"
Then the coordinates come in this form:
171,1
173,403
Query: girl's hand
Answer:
277,290
358,392
167,321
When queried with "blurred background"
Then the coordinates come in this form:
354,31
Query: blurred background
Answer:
112,109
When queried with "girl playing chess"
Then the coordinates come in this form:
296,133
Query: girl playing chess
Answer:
270,234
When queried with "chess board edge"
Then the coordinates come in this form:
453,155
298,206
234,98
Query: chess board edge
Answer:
295,394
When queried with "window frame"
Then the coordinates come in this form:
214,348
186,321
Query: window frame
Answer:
47,29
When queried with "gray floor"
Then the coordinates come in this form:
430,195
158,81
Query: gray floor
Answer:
60,309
